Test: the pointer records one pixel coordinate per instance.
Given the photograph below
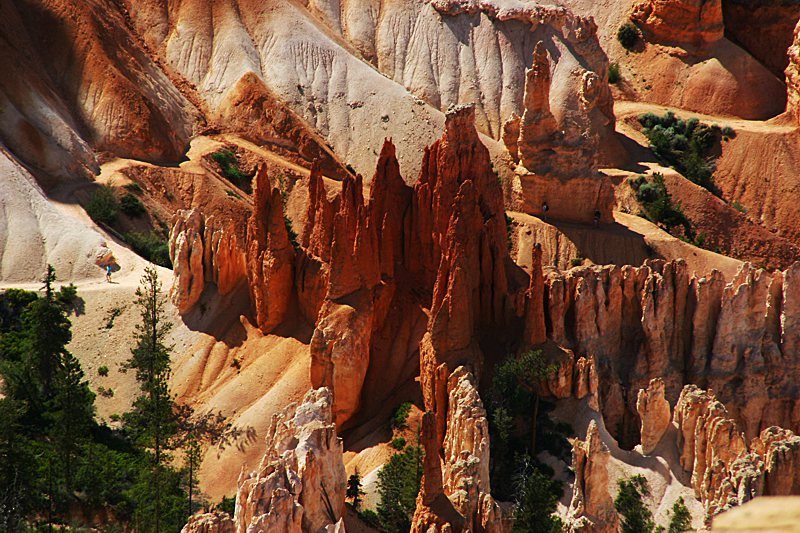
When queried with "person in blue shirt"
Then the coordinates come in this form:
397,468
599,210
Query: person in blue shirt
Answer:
108,273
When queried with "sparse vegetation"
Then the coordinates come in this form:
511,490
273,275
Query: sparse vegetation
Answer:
102,371
636,517
658,207
103,206
509,230
576,261
398,443
228,166
133,187
400,415
354,491
739,207
113,313
105,393
681,519
519,428
132,206
683,145
614,75
627,35
151,247
398,485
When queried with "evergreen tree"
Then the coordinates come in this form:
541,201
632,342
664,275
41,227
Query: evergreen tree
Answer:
354,491
536,502
152,421
636,517
398,485
71,414
16,468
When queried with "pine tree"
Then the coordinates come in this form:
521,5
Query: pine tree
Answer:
152,422
354,491
16,467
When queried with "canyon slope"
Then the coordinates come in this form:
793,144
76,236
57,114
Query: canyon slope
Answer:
371,202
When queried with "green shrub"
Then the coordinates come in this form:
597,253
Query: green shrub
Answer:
150,247
536,502
647,193
102,371
682,145
133,187
370,517
661,210
627,35
613,73
102,208
636,517
400,415
398,443
576,261
227,505
681,519
727,131
132,206
739,207
227,164
509,230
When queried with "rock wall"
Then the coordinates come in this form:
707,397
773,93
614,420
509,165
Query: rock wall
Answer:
557,159
301,482
456,492
591,509
793,77
655,321
762,28
694,22
203,249
725,470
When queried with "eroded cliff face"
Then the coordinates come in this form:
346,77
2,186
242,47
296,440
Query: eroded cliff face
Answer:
300,484
557,159
456,490
655,321
696,22
793,77
591,509
726,471
203,249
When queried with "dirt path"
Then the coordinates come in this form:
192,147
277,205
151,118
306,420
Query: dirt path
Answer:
624,110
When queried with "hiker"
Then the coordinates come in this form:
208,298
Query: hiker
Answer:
544,210
108,273
596,218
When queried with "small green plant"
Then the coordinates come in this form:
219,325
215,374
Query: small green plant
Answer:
400,415
739,207
169,196
627,35
398,443
103,206
133,187
232,194
658,207
236,364
103,371
105,393
132,206
227,164
576,261
684,145
115,417
727,131
350,169
370,517
614,75
113,313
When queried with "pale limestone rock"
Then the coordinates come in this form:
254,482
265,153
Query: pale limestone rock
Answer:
654,412
213,522
301,471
